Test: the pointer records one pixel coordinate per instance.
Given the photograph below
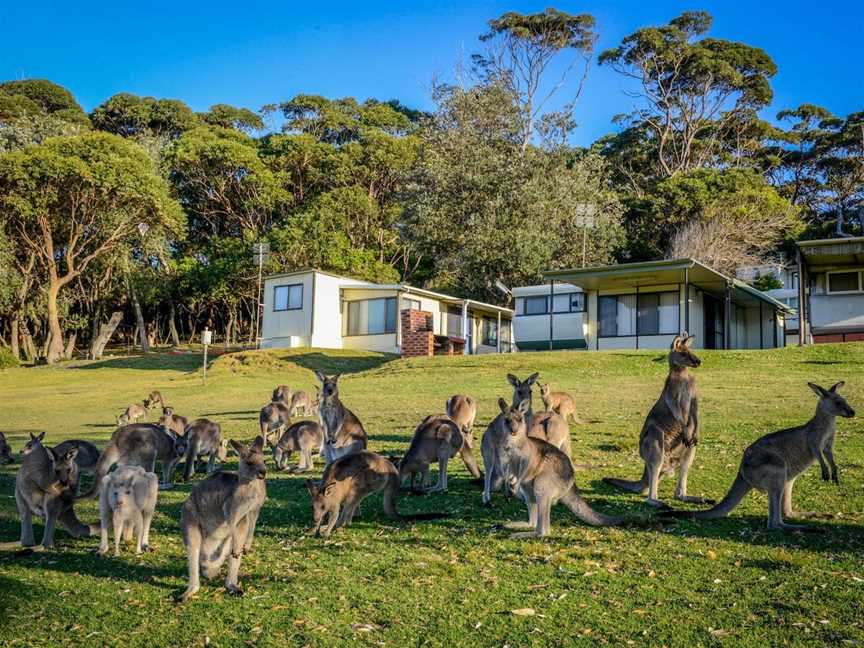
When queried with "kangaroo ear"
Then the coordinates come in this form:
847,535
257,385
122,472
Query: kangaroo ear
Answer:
533,378
224,443
335,378
524,406
70,455
688,341
513,380
817,389
320,376
238,447
329,489
311,486
258,444
502,405
676,343
837,386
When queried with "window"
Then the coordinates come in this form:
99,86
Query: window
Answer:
288,297
844,282
410,304
561,303
645,314
372,316
792,302
452,321
490,332
536,305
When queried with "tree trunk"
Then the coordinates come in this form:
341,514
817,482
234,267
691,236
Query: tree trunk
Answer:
97,347
172,326
139,318
29,346
70,345
54,348
13,336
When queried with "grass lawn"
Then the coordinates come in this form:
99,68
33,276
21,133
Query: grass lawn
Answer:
457,581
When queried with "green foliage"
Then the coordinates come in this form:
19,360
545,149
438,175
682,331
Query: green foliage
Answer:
7,360
766,282
226,116
50,97
130,115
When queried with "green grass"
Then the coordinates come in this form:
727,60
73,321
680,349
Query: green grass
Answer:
456,581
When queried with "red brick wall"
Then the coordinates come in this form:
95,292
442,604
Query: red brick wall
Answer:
827,338
418,338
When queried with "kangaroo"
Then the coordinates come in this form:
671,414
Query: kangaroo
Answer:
282,394
559,402
154,398
343,431
127,502
204,439
349,480
463,409
133,413
86,459
773,462
173,422
274,418
301,404
541,475
45,486
219,518
6,456
142,445
302,437
671,430
438,437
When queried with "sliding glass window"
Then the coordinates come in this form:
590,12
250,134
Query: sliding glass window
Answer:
644,314
372,316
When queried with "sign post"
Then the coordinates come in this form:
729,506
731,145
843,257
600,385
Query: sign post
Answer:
260,251
206,338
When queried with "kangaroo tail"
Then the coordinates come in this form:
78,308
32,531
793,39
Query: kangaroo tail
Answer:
191,456
579,507
630,486
740,487
106,460
391,492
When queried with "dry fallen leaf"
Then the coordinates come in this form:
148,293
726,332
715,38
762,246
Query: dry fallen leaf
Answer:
523,612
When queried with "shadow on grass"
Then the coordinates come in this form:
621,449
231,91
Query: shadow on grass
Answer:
16,598
342,364
227,413
188,362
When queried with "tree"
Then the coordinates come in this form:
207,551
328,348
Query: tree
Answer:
51,98
33,110
130,116
226,116
694,90
73,200
520,50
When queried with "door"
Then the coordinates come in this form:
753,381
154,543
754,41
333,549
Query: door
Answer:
713,322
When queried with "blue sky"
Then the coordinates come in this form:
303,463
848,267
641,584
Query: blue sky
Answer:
252,53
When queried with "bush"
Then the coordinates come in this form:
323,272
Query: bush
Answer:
7,359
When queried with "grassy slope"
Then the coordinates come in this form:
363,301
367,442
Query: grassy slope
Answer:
455,581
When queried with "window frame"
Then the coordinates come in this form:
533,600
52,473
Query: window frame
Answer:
522,307
347,310
288,306
637,332
492,324
408,304
828,290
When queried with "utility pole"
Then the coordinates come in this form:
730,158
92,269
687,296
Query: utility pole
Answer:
585,219
206,338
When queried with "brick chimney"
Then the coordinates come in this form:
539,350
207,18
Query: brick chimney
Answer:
418,338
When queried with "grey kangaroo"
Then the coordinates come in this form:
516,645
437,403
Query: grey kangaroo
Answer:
437,438
203,439
142,445
133,413
303,437
282,394
559,402
463,409
219,518
274,418
671,430
154,398
541,475
773,462
86,459
45,486
302,404
6,456
343,431
173,422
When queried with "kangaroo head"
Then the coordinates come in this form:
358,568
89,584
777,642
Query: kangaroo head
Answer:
680,353
120,494
251,459
318,494
167,412
181,443
65,468
329,385
222,452
545,389
514,416
522,388
282,393
830,402
34,442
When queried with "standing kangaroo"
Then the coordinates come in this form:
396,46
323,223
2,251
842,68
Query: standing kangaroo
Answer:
559,402
463,409
343,431
45,487
173,422
133,413
541,475
671,430
303,437
219,518
154,398
773,462
282,394
347,482
204,439
127,502
438,437
274,418
301,404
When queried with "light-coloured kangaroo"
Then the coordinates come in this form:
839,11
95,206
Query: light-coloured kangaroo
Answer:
343,431
45,487
141,444
173,422
204,439
133,413
127,502
273,420
541,475
437,438
671,430
559,402
302,404
219,518
6,456
347,482
303,437
153,399
773,462
463,409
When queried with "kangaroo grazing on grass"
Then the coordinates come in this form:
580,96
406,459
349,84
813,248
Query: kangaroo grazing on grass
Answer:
219,518
559,402
173,422
343,431
541,475
203,439
303,437
302,404
153,399
45,486
142,445
133,413
347,482
463,409
6,456
671,431
274,418
127,502
437,438
773,462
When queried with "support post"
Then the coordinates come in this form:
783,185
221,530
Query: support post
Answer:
727,312
399,321
802,315
637,318
498,333
687,300
551,310
761,322
468,341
